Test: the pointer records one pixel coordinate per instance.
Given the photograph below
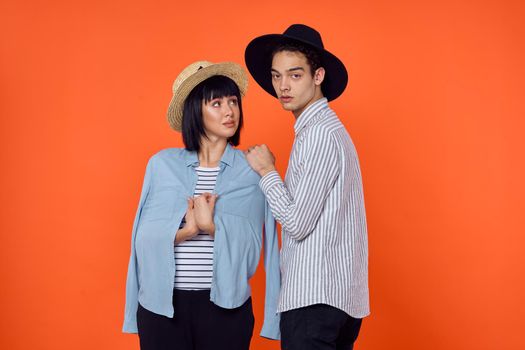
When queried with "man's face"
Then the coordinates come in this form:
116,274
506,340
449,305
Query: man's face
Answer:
293,82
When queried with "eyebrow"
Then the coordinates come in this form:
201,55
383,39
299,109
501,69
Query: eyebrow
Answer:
293,69
222,97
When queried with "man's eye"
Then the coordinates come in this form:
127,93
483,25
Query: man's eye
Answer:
276,76
296,76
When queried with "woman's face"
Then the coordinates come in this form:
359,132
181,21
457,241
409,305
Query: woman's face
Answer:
221,117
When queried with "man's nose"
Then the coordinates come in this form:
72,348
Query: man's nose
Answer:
283,85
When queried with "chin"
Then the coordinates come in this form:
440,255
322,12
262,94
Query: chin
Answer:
227,135
288,107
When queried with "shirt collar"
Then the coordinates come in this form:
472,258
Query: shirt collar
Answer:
227,158
309,113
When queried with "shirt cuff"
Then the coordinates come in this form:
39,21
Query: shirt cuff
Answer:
269,180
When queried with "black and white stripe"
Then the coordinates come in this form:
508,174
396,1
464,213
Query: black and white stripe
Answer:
194,257
320,206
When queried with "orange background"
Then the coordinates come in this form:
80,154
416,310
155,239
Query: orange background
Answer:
434,105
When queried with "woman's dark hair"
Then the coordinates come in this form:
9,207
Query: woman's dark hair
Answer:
217,86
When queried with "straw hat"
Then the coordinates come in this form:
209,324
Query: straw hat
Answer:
196,73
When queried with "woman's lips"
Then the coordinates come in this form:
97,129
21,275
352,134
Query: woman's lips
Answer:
229,124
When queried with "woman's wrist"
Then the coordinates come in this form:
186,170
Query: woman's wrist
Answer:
208,228
185,233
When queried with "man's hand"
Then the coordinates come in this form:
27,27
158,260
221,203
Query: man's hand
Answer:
260,159
204,206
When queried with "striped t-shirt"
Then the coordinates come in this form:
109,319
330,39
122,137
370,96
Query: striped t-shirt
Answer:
194,257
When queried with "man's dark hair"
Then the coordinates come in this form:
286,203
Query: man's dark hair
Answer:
217,86
313,58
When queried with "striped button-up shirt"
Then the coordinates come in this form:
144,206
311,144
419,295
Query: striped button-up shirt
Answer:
324,255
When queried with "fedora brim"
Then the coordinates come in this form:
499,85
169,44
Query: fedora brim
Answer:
258,58
228,69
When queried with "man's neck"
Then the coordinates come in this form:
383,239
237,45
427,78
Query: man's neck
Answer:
297,113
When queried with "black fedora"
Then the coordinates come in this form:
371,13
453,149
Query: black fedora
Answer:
259,61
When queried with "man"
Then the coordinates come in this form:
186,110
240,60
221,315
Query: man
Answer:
324,255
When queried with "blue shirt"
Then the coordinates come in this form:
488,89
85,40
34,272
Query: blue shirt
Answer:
241,211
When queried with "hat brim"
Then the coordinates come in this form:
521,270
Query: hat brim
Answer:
228,69
258,58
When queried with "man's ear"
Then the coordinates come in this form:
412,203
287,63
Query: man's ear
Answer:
319,76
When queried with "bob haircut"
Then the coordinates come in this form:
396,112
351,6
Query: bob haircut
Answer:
217,86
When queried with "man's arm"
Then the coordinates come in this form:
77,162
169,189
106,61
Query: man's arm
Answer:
299,213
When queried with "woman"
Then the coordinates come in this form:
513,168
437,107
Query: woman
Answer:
197,235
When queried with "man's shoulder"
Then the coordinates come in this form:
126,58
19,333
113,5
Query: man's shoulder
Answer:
326,123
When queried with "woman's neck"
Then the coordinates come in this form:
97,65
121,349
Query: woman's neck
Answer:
211,152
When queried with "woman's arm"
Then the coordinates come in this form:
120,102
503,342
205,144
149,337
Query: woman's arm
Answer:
132,281
190,228
204,206
270,327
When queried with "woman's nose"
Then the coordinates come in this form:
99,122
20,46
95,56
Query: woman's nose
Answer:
228,110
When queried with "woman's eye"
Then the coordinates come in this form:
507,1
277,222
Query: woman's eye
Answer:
216,104
233,102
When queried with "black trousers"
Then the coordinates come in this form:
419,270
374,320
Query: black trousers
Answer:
198,324
318,327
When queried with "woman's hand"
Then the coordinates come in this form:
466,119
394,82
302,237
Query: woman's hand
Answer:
204,206
190,228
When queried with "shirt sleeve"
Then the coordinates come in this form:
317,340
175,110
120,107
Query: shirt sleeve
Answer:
299,212
270,327
132,282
